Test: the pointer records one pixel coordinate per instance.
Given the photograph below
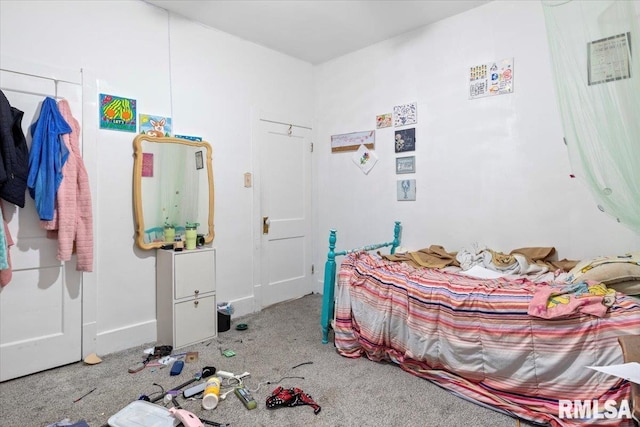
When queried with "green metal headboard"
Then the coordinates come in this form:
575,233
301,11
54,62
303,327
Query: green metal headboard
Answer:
330,274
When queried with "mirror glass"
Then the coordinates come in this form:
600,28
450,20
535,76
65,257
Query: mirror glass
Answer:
172,189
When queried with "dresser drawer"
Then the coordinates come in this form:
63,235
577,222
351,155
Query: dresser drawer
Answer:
194,273
195,321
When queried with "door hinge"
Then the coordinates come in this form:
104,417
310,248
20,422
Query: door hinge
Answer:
312,147
313,268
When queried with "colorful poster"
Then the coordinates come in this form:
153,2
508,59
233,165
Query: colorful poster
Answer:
189,138
383,121
156,126
117,113
147,164
365,159
493,78
352,141
406,114
405,140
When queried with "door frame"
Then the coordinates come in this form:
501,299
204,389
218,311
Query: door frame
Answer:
88,82
257,117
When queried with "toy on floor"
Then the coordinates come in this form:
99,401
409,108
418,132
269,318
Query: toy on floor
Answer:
291,397
187,418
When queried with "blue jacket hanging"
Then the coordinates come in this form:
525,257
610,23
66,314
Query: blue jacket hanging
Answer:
46,158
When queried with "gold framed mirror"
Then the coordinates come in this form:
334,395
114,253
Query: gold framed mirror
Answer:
172,189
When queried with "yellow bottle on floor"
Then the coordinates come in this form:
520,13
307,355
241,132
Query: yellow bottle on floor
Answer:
211,393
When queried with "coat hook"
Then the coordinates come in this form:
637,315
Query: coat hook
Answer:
290,131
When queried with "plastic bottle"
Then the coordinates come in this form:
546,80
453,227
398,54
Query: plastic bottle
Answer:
169,234
178,244
191,233
211,393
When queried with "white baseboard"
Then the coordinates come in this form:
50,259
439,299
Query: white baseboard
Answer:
89,338
126,337
114,340
242,306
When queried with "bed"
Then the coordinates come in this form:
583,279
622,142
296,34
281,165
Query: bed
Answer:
517,345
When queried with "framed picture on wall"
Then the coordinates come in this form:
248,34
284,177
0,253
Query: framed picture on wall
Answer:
406,164
609,59
405,140
406,114
406,190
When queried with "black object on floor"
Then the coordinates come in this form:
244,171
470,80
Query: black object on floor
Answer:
224,321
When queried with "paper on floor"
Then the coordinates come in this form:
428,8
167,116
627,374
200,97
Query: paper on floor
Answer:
629,371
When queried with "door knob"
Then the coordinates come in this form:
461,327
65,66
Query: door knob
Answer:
265,224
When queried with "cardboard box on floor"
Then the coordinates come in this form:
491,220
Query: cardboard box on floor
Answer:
631,353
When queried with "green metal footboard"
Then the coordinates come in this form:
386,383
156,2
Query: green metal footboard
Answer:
330,274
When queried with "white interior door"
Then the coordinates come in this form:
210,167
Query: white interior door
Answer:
285,203
41,308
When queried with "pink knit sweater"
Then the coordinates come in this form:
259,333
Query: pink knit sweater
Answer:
73,218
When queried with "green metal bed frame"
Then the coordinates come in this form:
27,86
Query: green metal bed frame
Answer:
330,274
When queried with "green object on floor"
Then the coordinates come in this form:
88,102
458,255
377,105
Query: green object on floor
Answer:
228,353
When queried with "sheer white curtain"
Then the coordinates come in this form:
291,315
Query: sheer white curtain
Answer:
596,65
191,187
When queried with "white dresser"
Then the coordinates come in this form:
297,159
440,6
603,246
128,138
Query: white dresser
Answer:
186,296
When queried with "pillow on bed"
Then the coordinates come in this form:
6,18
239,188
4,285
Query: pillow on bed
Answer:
630,287
609,273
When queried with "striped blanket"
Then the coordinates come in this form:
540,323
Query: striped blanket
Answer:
475,338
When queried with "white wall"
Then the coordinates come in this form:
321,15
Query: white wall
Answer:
492,171
209,82
219,82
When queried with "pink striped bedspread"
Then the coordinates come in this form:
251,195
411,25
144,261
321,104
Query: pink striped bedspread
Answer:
475,338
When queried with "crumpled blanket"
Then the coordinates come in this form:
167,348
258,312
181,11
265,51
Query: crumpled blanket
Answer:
435,256
290,397
528,260
550,302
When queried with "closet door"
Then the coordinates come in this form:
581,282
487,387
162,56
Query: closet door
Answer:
41,308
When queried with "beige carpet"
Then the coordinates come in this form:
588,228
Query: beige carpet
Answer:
351,392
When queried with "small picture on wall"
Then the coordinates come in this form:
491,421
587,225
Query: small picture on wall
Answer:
383,121
199,160
407,190
405,164
492,78
352,141
405,140
117,113
155,126
609,59
406,114
365,159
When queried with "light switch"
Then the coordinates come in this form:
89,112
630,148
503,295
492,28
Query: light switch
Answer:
247,180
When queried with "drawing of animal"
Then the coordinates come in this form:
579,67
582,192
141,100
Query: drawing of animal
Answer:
158,128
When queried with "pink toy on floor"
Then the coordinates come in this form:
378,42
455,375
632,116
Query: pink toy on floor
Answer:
187,418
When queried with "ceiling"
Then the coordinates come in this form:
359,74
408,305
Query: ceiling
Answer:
316,31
